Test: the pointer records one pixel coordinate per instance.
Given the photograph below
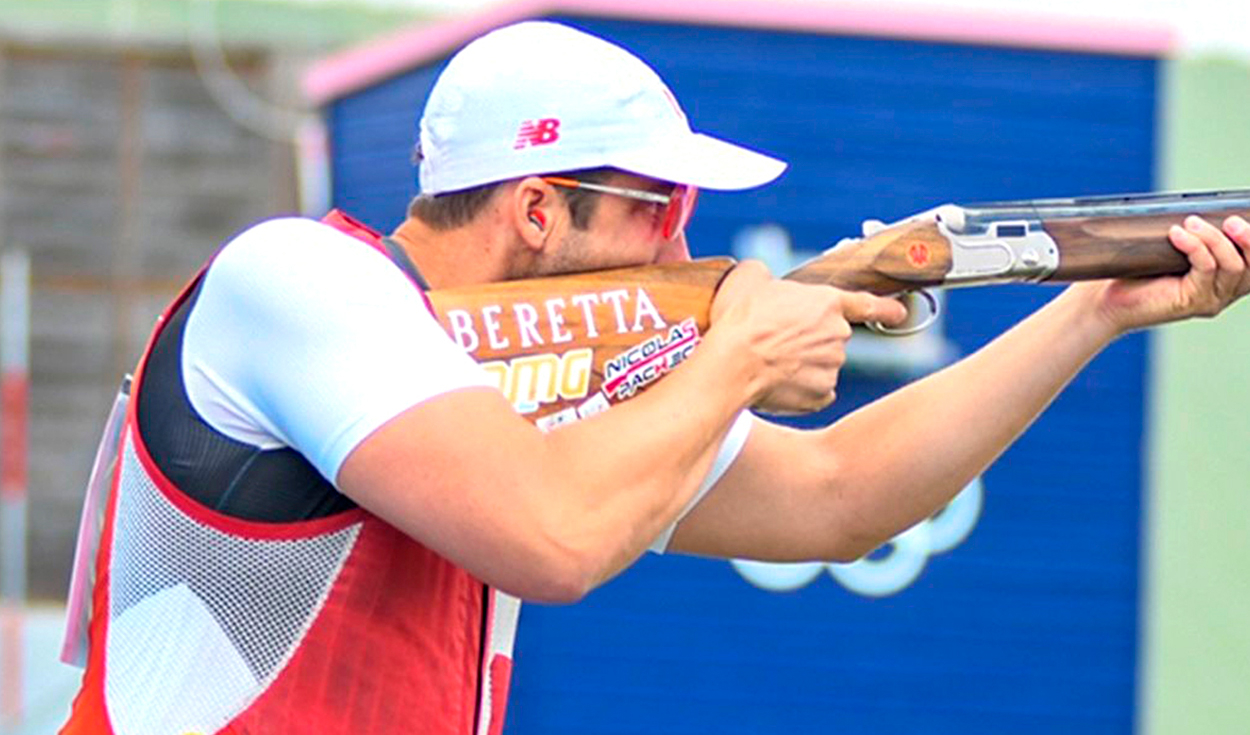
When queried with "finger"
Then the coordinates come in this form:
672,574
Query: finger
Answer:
859,307
1238,230
1227,256
1201,275
1201,261
1201,285
828,395
1230,267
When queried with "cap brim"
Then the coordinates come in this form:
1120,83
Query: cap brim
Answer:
702,161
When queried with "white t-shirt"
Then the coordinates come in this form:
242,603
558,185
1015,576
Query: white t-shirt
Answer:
304,337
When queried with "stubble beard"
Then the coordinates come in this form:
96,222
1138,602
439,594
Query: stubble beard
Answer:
568,256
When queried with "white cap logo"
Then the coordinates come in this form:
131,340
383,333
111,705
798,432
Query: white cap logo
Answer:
537,132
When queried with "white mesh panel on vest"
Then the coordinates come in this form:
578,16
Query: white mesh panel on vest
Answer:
200,621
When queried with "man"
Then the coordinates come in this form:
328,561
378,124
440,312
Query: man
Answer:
319,495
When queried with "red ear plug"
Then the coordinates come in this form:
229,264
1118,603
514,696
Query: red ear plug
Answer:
538,219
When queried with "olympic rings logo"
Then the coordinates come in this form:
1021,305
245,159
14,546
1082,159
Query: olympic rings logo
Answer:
904,559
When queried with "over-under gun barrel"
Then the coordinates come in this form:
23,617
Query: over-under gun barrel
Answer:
1075,239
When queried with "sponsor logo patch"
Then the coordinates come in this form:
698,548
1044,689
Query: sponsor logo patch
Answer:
530,381
537,132
648,361
548,322
918,254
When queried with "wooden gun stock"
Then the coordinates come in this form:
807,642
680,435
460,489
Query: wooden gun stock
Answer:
569,346
902,258
566,347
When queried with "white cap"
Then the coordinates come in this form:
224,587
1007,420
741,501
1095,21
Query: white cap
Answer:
539,98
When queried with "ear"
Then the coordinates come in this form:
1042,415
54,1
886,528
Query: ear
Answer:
535,210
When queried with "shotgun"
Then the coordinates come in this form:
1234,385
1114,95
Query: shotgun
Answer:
567,347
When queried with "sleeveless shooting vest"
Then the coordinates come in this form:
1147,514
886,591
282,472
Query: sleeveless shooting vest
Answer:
205,623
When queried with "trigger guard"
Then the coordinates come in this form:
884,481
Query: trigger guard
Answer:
920,326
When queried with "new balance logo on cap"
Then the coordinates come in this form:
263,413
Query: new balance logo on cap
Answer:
537,132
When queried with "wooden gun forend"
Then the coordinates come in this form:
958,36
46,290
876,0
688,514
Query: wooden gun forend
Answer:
1117,247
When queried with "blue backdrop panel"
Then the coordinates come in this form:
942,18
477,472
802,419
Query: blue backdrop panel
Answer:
1031,624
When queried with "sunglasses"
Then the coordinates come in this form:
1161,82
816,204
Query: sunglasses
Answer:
678,206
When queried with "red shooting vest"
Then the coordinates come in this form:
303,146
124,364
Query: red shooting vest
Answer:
203,623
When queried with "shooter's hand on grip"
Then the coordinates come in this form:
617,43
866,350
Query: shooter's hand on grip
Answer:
1217,277
791,335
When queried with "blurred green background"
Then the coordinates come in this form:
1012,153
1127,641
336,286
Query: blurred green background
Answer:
1196,674
324,23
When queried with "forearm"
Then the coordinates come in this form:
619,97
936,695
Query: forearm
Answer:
907,454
